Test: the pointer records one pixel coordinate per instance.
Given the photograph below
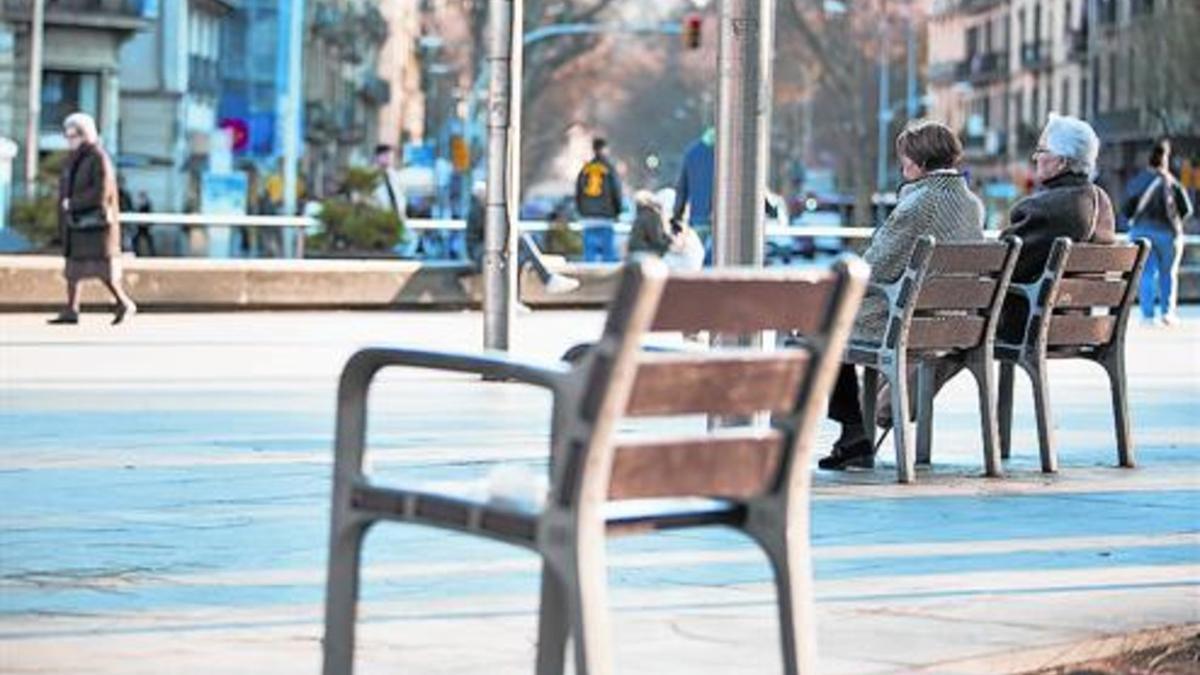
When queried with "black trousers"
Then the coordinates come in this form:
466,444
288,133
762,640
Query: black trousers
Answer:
844,404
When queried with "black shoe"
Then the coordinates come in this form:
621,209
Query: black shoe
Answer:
857,455
123,312
64,319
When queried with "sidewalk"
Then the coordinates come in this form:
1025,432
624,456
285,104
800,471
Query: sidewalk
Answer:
164,486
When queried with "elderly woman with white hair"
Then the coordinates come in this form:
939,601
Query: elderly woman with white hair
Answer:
1067,203
89,219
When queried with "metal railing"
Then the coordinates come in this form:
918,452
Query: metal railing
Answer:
458,225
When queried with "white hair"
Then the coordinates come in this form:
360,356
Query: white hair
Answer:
1074,141
85,124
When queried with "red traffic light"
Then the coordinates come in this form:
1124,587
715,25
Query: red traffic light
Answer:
692,25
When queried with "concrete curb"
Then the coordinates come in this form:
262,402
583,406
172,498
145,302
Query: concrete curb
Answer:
35,283
1036,659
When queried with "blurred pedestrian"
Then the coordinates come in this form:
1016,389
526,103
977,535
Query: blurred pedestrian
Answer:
1157,206
934,200
89,219
141,234
598,201
527,249
694,190
649,232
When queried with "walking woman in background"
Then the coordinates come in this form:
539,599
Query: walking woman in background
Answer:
88,218
1157,206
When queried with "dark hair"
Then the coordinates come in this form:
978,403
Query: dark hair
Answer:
599,144
1158,154
930,145
382,148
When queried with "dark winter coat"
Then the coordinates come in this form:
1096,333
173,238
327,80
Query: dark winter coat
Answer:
89,183
1167,208
598,190
1063,207
648,234
695,186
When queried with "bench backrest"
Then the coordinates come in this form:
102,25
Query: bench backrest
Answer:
1085,295
620,380
958,290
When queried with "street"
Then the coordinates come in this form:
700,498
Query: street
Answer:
164,500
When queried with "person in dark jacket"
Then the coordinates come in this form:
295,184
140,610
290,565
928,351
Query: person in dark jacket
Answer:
89,219
1157,206
935,200
1066,204
649,232
598,201
694,190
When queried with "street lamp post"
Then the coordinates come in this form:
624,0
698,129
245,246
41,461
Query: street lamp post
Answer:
503,116
36,29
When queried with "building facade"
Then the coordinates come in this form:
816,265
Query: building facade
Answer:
169,106
997,68
343,89
82,41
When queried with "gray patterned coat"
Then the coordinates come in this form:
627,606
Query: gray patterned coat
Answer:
939,204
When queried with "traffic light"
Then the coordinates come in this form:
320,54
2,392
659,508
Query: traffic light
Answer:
692,25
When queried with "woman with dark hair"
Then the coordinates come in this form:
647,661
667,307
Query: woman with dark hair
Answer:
89,219
1157,206
934,200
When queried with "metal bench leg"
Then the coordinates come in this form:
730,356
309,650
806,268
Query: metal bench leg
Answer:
1114,365
790,561
587,581
1005,405
902,427
981,367
1041,409
925,393
341,599
868,393
553,624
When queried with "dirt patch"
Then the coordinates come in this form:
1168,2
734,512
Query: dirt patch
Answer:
1177,658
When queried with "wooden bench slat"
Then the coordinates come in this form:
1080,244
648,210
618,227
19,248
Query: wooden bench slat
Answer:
737,384
1099,258
1079,293
979,259
731,465
1080,330
743,305
945,332
957,293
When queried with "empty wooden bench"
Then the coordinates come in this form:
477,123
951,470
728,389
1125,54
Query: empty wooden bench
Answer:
605,481
1078,309
945,306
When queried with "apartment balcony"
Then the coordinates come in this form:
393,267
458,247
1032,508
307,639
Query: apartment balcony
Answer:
326,20
979,5
1035,55
351,130
1077,46
318,123
985,68
118,15
374,25
945,72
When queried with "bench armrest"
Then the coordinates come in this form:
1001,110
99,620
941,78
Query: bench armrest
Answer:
363,366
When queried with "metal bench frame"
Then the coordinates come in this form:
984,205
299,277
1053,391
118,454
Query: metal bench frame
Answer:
956,322
593,466
1082,278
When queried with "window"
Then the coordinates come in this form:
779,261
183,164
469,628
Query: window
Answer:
1064,103
1112,82
65,92
1083,96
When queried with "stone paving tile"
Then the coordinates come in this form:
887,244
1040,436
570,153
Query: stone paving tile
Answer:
164,500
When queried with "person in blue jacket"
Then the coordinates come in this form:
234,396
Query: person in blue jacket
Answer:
694,191
1157,206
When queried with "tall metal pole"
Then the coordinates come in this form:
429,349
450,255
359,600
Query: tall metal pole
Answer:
291,112
910,79
499,278
885,112
1092,20
36,28
744,63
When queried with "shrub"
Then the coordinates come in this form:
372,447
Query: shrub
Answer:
351,222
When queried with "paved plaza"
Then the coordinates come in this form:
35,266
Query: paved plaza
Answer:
164,508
